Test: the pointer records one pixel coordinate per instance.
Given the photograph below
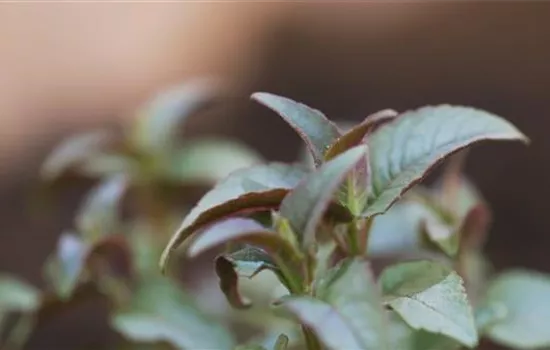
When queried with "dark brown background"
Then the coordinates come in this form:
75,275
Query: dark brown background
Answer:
345,59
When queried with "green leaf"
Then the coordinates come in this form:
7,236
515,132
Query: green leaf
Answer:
210,160
402,152
158,122
524,294
331,328
160,311
313,127
348,313
64,268
98,215
16,295
431,297
304,206
74,152
250,260
489,315
404,337
253,189
357,133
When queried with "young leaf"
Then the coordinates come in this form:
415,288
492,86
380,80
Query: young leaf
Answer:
250,260
158,122
229,283
356,134
16,295
241,231
313,127
160,311
429,296
348,313
403,151
210,160
524,295
253,189
74,152
98,214
64,268
304,206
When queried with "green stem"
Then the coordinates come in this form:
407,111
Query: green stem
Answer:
354,247
312,343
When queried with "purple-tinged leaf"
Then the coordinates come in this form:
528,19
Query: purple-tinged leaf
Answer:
356,134
75,152
305,205
313,127
238,230
247,190
250,261
402,152
229,283
98,216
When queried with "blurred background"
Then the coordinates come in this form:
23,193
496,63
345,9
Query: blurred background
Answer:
66,67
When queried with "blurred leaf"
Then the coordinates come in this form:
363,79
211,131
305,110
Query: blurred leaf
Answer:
249,347
16,295
159,121
74,152
430,296
490,314
210,160
357,133
397,231
246,190
160,311
98,216
348,313
524,294
110,164
281,343
403,151
313,127
304,206
229,283
64,268
404,337
443,235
